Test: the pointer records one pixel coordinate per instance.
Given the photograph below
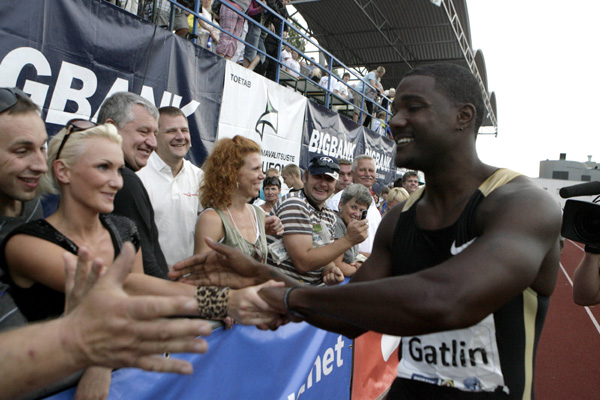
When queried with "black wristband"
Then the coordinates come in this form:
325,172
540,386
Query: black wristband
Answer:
286,303
592,249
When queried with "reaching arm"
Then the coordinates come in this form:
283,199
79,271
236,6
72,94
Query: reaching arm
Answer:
107,328
516,250
586,281
226,266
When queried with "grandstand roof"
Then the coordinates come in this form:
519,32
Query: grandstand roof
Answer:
397,34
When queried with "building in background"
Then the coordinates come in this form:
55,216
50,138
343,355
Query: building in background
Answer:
570,170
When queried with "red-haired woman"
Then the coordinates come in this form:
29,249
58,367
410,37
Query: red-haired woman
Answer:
232,176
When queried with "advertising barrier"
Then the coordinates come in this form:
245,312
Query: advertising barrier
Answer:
244,362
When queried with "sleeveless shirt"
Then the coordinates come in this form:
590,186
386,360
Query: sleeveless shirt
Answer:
491,359
233,238
39,301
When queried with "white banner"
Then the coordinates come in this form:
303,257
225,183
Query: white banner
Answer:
264,111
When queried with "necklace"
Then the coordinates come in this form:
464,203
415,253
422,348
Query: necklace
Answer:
243,240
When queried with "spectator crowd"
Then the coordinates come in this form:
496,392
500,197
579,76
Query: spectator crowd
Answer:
127,179
245,32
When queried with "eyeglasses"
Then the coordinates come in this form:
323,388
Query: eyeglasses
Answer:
326,162
74,125
271,180
8,98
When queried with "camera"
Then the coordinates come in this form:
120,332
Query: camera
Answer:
581,222
363,215
581,219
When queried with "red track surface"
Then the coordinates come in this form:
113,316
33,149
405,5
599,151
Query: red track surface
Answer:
568,357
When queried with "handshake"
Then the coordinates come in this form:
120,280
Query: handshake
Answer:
228,267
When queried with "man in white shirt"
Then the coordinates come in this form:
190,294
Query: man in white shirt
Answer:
172,184
292,64
363,172
340,88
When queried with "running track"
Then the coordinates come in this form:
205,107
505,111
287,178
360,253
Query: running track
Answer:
568,357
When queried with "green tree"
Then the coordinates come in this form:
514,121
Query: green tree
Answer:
295,39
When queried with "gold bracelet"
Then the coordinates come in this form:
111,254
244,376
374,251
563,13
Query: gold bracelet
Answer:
212,301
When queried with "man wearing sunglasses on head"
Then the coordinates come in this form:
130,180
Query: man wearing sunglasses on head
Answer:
22,163
306,249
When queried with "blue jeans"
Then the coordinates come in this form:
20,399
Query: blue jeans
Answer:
254,38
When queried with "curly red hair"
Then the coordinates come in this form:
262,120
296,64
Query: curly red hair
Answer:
221,168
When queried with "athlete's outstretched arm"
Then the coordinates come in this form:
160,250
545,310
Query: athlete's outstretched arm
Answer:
517,249
377,266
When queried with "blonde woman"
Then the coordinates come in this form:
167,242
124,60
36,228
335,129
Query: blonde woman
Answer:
396,196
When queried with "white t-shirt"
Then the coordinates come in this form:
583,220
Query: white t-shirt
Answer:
341,88
293,66
176,205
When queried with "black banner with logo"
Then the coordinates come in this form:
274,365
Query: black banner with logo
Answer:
72,54
328,133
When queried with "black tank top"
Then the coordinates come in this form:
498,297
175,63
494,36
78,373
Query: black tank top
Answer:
492,359
38,301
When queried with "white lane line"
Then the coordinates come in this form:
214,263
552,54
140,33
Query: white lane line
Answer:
587,309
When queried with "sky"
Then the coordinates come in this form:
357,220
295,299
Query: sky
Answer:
543,64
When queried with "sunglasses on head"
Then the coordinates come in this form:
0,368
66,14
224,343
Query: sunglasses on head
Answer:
8,98
272,180
321,162
74,125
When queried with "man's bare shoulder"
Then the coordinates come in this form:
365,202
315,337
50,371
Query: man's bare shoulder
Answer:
521,202
524,189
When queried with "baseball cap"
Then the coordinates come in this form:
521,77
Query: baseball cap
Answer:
320,165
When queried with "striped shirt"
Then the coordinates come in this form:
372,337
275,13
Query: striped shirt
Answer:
300,217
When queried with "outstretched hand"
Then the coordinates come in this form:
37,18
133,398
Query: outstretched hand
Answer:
225,266
81,275
109,328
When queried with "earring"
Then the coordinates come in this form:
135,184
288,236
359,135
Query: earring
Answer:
460,128
237,184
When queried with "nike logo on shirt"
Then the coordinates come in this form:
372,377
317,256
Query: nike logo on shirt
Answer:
456,250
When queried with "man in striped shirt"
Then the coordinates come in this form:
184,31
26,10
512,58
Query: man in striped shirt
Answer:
306,249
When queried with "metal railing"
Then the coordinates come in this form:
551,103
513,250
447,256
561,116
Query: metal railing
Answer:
326,94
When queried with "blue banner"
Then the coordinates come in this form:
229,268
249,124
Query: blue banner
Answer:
244,362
